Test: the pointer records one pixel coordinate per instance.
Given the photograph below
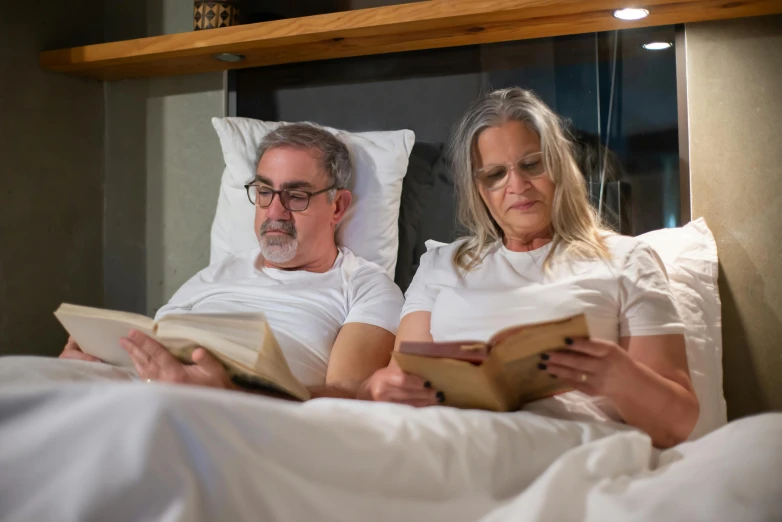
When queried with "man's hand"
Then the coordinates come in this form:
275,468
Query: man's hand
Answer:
73,351
154,362
391,384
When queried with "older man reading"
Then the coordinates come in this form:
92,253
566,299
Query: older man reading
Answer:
333,313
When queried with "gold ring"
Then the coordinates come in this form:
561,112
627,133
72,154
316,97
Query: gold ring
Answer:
583,377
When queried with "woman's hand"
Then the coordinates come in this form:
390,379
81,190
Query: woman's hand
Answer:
593,367
391,384
154,362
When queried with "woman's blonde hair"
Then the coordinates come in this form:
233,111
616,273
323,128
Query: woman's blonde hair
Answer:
574,222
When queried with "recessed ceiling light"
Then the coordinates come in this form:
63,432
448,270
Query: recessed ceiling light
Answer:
657,46
631,13
228,57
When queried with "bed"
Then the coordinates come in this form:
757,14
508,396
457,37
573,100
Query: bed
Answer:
83,441
130,451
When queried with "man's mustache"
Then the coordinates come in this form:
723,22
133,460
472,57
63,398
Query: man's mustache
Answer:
283,226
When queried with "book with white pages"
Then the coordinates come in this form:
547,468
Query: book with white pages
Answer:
244,343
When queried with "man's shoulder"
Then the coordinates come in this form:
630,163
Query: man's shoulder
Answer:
353,264
358,272
372,296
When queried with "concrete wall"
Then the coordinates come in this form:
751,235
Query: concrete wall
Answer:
163,167
51,175
734,83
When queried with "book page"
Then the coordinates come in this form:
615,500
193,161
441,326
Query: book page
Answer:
470,351
241,328
98,332
559,322
239,336
243,342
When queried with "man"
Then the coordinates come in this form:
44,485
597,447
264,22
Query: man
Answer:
333,313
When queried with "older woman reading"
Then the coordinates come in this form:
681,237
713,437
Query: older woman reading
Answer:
534,241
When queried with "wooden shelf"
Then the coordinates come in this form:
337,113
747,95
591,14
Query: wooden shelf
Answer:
422,25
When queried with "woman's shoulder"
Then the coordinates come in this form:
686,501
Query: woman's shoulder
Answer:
439,256
626,250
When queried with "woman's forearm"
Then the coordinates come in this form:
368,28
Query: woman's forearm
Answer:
664,409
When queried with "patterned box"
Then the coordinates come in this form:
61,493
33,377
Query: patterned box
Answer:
211,15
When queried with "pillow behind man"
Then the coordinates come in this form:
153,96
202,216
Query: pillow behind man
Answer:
369,229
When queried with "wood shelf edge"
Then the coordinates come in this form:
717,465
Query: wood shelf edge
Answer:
405,27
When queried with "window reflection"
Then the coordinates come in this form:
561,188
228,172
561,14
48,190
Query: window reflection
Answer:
619,100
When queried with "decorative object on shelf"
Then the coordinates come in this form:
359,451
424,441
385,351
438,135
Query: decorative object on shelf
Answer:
212,15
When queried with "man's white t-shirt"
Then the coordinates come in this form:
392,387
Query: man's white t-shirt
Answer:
305,309
626,295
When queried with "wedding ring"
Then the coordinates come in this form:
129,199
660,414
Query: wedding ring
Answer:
583,377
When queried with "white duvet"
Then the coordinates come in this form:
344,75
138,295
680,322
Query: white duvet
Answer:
120,451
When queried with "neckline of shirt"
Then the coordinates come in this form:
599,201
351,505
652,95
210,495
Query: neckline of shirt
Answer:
278,273
529,254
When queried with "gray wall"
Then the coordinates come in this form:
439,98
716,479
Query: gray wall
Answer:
163,167
51,174
734,82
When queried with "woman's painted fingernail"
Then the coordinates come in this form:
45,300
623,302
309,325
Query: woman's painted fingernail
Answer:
568,341
440,396
542,366
544,357
427,384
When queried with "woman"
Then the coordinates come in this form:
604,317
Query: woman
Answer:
535,249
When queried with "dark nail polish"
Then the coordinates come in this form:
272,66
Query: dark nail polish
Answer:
544,357
568,341
440,396
542,366
427,384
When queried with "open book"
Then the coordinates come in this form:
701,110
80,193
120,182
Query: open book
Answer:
501,374
244,343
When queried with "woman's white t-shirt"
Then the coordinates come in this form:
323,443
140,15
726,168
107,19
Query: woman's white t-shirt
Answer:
625,296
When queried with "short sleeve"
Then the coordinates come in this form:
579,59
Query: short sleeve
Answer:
374,299
421,296
647,306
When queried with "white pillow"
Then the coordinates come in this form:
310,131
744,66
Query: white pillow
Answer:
369,228
690,257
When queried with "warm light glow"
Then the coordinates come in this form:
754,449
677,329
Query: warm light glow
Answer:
631,13
657,46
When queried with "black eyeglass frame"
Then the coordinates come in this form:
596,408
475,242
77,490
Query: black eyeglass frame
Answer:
284,200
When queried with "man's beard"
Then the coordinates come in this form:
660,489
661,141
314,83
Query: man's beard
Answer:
278,248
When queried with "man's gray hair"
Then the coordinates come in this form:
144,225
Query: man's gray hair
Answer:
335,157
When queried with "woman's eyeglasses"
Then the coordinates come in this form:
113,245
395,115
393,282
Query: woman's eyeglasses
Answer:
496,177
292,200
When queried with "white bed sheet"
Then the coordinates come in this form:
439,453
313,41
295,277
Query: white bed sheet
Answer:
134,451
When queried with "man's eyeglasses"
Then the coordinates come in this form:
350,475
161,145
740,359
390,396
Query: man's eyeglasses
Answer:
292,200
496,177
